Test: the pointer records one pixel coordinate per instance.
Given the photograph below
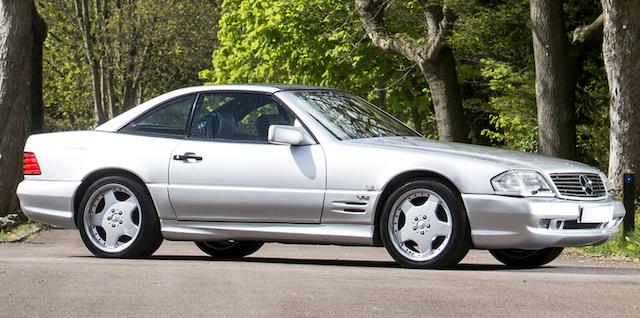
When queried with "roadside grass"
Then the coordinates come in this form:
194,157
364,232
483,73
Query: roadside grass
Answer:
19,231
625,246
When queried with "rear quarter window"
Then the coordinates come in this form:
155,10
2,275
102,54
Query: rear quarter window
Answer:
169,119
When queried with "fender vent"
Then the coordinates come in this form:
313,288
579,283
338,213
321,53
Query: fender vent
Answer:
349,207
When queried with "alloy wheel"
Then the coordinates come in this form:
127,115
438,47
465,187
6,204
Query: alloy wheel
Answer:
420,225
112,218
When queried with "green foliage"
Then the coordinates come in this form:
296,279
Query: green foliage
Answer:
498,30
285,41
155,48
492,40
66,85
512,106
592,113
180,35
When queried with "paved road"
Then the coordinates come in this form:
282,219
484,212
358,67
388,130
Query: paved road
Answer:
53,275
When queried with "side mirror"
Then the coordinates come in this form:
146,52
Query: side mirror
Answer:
288,135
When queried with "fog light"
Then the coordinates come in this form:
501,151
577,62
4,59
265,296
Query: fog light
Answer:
544,223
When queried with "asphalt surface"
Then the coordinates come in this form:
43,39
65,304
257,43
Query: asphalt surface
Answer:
53,275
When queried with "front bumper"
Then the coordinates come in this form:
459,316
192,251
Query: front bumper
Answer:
48,201
514,222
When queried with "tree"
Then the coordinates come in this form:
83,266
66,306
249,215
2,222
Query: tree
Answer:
17,45
130,50
558,63
434,59
621,47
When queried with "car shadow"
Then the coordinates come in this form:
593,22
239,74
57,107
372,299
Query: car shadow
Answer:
281,260
332,262
467,267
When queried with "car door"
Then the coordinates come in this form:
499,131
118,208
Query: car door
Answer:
227,171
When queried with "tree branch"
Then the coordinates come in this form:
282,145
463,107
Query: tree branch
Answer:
437,42
433,16
439,23
588,33
85,27
372,13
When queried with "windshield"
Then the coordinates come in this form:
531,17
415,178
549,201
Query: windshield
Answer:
349,117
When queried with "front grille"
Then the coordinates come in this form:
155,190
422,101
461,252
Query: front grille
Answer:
582,185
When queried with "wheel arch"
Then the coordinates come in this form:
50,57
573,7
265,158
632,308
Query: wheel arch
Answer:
98,174
399,180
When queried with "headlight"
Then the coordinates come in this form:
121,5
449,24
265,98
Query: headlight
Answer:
521,183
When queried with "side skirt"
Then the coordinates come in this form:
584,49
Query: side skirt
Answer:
340,234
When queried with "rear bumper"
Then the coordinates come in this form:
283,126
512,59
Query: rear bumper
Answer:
512,222
48,201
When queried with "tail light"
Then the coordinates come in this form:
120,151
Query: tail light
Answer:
30,164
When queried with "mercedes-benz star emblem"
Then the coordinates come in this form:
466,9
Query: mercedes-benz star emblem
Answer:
587,187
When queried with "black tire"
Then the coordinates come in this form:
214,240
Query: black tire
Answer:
229,249
148,238
526,258
459,241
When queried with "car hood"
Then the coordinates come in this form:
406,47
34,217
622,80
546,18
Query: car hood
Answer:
509,158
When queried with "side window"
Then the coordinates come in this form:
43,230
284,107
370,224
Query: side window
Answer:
170,119
237,117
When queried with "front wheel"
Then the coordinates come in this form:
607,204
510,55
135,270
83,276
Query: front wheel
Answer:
526,258
424,225
118,219
229,248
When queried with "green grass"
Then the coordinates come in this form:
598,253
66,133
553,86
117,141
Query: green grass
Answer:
626,246
20,230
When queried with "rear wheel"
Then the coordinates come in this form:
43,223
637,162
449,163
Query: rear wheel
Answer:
424,225
526,258
118,219
229,248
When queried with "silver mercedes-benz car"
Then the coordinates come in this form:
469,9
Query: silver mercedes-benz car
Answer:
233,166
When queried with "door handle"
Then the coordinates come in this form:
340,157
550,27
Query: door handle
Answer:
187,156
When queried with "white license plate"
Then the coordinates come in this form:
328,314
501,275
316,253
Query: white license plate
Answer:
596,214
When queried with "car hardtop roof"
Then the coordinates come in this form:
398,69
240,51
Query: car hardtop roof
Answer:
265,88
121,120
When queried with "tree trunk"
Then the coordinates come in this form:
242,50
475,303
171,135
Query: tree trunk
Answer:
417,118
16,41
621,50
128,95
140,94
442,79
101,115
107,89
555,80
95,63
37,103
435,59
